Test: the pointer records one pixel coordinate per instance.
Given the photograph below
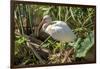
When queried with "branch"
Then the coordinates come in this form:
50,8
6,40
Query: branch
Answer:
35,52
67,54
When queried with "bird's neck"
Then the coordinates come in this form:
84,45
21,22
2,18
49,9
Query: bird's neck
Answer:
45,25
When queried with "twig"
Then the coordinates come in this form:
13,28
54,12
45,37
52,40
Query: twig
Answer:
36,54
38,47
67,54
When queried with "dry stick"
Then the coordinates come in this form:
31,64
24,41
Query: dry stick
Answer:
31,46
36,45
67,54
72,49
36,54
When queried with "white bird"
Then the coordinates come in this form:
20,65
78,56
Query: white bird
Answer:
58,30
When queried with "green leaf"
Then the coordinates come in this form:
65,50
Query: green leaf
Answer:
72,13
85,45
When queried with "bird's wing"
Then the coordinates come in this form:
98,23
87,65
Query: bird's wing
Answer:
61,34
60,31
55,32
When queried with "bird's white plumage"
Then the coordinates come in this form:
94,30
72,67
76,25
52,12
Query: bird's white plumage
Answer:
60,31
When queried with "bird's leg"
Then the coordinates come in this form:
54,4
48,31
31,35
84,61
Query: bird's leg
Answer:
61,47
61,50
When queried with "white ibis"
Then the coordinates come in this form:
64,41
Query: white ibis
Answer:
58,30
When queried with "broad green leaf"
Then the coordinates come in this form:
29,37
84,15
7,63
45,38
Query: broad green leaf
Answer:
85,45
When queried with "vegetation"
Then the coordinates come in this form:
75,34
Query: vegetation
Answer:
30,50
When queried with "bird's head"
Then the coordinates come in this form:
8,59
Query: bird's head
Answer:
47,19
45,22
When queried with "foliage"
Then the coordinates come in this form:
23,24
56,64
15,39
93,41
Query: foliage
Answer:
84,45
80,19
